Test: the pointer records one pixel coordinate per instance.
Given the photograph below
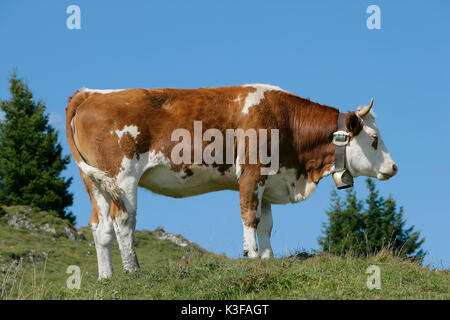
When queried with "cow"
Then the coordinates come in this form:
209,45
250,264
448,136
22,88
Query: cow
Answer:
122,139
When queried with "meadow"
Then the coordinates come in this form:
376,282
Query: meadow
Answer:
37,249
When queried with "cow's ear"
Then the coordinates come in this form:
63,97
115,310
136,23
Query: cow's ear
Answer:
354,124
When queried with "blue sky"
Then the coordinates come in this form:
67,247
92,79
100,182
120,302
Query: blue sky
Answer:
317,49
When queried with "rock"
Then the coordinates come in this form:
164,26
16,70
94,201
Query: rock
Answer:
20,218
70,233
12,266
175,238
20,221
30,257
46,227
80,235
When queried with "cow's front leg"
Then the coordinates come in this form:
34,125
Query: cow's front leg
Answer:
264,229
250,196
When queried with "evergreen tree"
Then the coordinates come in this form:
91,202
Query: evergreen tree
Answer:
353,229
343,233
31,158
385,226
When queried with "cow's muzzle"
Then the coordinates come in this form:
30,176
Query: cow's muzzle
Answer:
388,174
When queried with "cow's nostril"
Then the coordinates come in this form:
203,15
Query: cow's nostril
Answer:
395,168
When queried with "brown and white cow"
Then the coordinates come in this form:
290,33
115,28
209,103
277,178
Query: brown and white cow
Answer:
122,139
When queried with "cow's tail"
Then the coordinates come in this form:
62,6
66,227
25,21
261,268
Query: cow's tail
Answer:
100,178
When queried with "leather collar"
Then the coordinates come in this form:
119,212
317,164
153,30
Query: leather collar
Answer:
341,138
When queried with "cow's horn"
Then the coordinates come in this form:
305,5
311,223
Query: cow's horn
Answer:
365,110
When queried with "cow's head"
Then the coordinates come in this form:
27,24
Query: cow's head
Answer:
366,153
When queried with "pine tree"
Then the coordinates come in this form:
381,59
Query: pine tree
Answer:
343,232
365,231
385,227
31,159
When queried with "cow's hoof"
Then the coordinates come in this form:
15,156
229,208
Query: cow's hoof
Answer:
253,254
130,270
267,254
131,267
104,277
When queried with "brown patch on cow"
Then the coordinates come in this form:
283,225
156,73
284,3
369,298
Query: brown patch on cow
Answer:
116,211
354,124
222,168
375,141
188,172
89,185
307,136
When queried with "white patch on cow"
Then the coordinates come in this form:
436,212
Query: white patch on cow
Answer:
264,230
152,170
163,180
101,91
238,99
309,188
284,187
250,242
131,170
132,130
255,97
328,172
238,171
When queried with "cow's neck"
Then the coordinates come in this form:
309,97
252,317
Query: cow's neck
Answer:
312,126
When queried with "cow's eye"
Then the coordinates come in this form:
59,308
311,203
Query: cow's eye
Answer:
375,141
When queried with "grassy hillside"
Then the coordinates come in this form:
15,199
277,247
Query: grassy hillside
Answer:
36,249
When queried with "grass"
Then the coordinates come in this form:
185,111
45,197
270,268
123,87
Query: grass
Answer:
33,265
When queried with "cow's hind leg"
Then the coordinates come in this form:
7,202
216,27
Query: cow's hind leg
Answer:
124,221
123,214
264,229
101,226
103,233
